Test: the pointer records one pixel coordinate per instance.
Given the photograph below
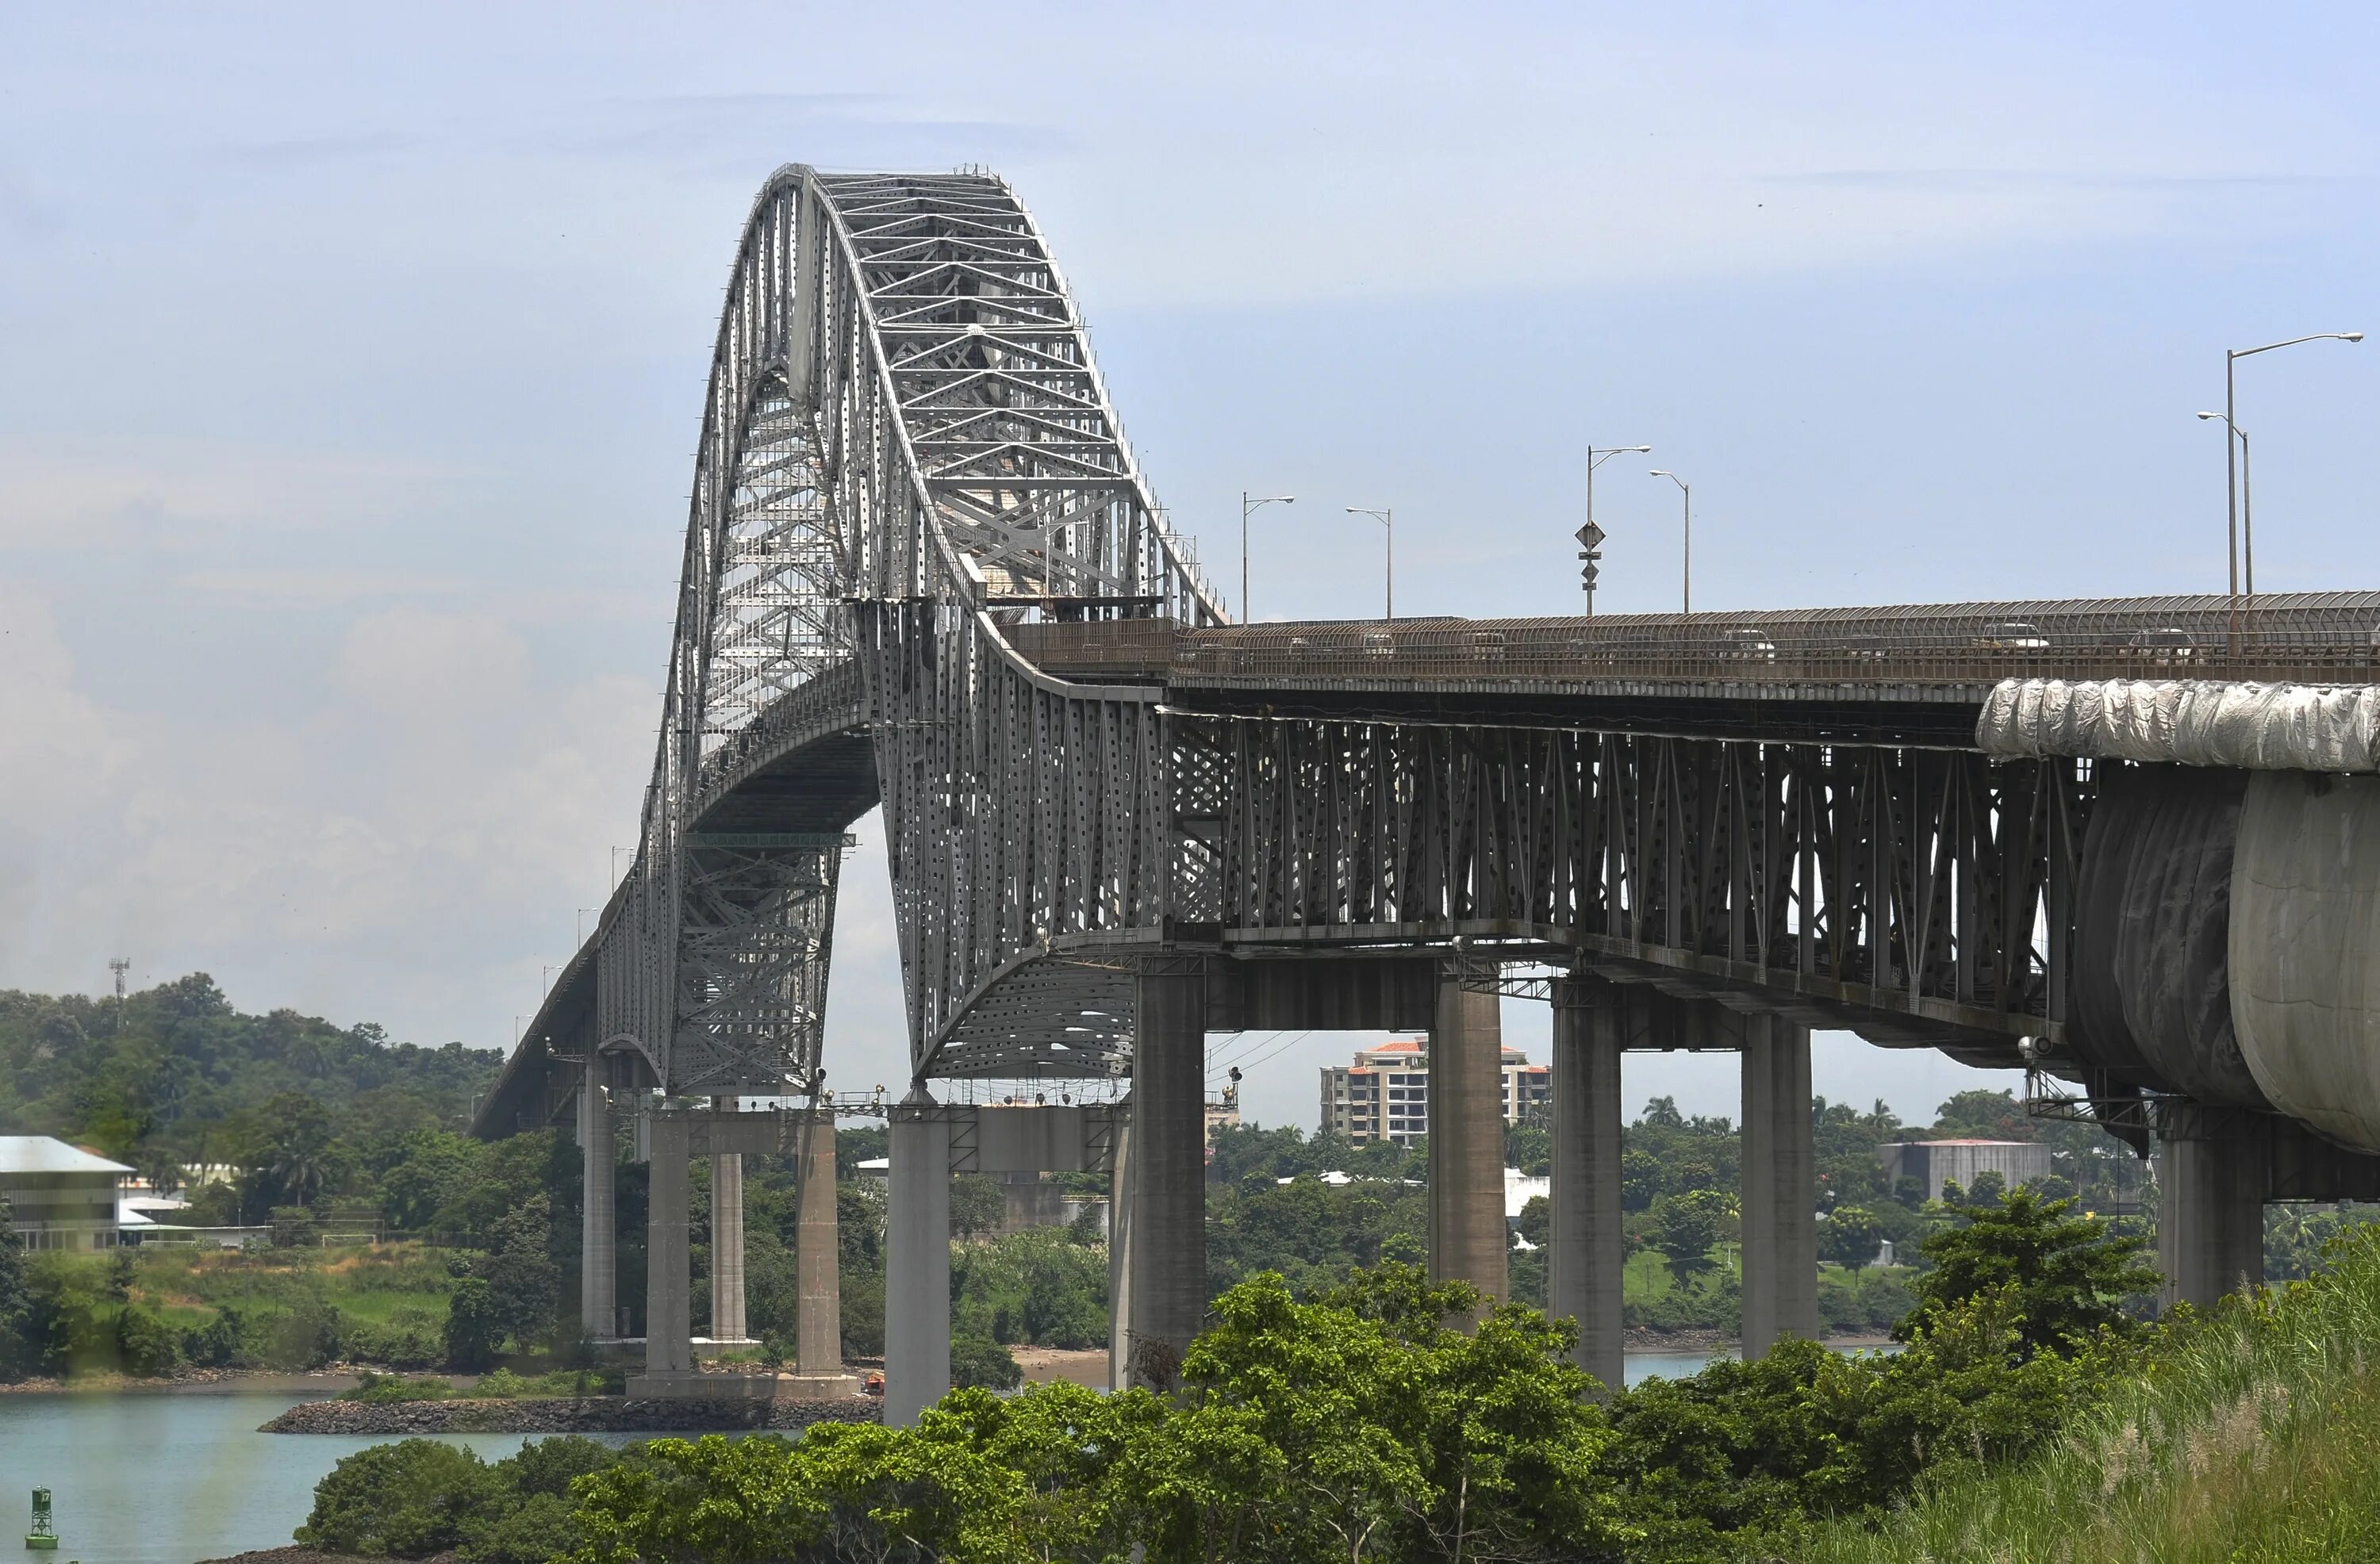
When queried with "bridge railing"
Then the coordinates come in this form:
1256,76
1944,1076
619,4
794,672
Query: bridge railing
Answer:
2317,638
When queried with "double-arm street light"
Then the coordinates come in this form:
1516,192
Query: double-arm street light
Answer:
2247,505
1592,535
1249,507
1387,519
2232,459
1686,596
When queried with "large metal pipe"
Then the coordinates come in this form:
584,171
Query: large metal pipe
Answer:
1586,1251
917,1262
1468,1237
1168,1283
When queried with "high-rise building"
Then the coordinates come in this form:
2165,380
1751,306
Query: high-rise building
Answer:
1384,1094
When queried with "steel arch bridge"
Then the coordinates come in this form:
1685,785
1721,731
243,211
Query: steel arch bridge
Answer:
923,568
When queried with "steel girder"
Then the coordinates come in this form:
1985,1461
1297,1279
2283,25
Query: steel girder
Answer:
1915,895
905,447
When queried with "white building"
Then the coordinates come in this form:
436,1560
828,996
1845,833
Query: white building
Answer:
59,1197
1384,1094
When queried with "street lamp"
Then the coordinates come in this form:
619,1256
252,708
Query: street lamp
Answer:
1687,598
2230,463
1387,519
1592,535
1247,508
2247,508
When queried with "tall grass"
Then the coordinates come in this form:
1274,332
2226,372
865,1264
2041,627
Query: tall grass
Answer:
2254,1435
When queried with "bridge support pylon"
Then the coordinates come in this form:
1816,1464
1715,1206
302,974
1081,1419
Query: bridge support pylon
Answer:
599,1265
1168,1279
1586,1251
1468,1235
917,1261
2211,1190
727,1327
818,1272
1780,1187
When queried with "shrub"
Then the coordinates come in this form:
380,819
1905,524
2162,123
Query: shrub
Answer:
220,1343
407,1343
145,1344
409,1500
980,1361
474,1324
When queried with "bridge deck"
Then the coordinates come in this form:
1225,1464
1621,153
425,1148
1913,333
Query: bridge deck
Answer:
1927,654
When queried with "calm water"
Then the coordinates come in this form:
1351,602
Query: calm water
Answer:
169,1477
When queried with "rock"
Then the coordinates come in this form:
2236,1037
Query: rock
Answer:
561,1415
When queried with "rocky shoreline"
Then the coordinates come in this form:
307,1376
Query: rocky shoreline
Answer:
541,1414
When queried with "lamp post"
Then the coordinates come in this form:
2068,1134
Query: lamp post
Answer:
1247,508
1387,519
2247,510
1686,599
1590,534
2231,356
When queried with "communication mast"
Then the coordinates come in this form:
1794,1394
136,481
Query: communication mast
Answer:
119,966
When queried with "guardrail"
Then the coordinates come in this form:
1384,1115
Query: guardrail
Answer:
2304,637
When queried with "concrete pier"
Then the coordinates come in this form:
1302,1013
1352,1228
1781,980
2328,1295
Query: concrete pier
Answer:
818,1332
1780,1187
2210,1215
727,1241
1586,1251
917,1262
1467,1232
1168,1280
1120,1232
669,1334
598,1265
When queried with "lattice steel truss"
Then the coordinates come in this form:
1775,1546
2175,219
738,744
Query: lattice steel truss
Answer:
906,446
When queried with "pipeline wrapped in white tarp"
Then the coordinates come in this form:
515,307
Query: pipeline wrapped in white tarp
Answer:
2192,721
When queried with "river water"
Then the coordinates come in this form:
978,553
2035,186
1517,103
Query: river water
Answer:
172,1476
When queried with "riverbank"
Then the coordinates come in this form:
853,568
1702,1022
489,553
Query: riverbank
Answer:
329,1381
588,1415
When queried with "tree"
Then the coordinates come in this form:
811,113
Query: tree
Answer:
119,1276
1983,1115
298,1161
1687,1227
409,1500
1990,1185
522,1279
20,1352
977,1206
474,1325
1850,1236
1537,1219
2068,1276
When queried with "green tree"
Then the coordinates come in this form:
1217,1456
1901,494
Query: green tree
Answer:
2068,1276
1850,1236
1537,1219
119,1276
475,1325
407,1501
300,1162
977,1206
1687,1227
522,1279
20,1352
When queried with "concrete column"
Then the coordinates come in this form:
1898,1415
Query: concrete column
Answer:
726,1241
1468,1234
2210,1218
599,1265
1586,1251
1168,1283
917,1262
818,1331
1121,1195
669,1347
1780,1187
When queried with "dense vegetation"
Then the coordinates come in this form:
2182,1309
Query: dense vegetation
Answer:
1356,1421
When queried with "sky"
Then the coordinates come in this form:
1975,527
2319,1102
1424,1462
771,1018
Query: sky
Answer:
351,361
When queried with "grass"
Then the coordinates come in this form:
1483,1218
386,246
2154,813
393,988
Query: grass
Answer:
2254,1436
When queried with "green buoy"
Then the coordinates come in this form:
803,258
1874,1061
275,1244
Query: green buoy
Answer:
44,1537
